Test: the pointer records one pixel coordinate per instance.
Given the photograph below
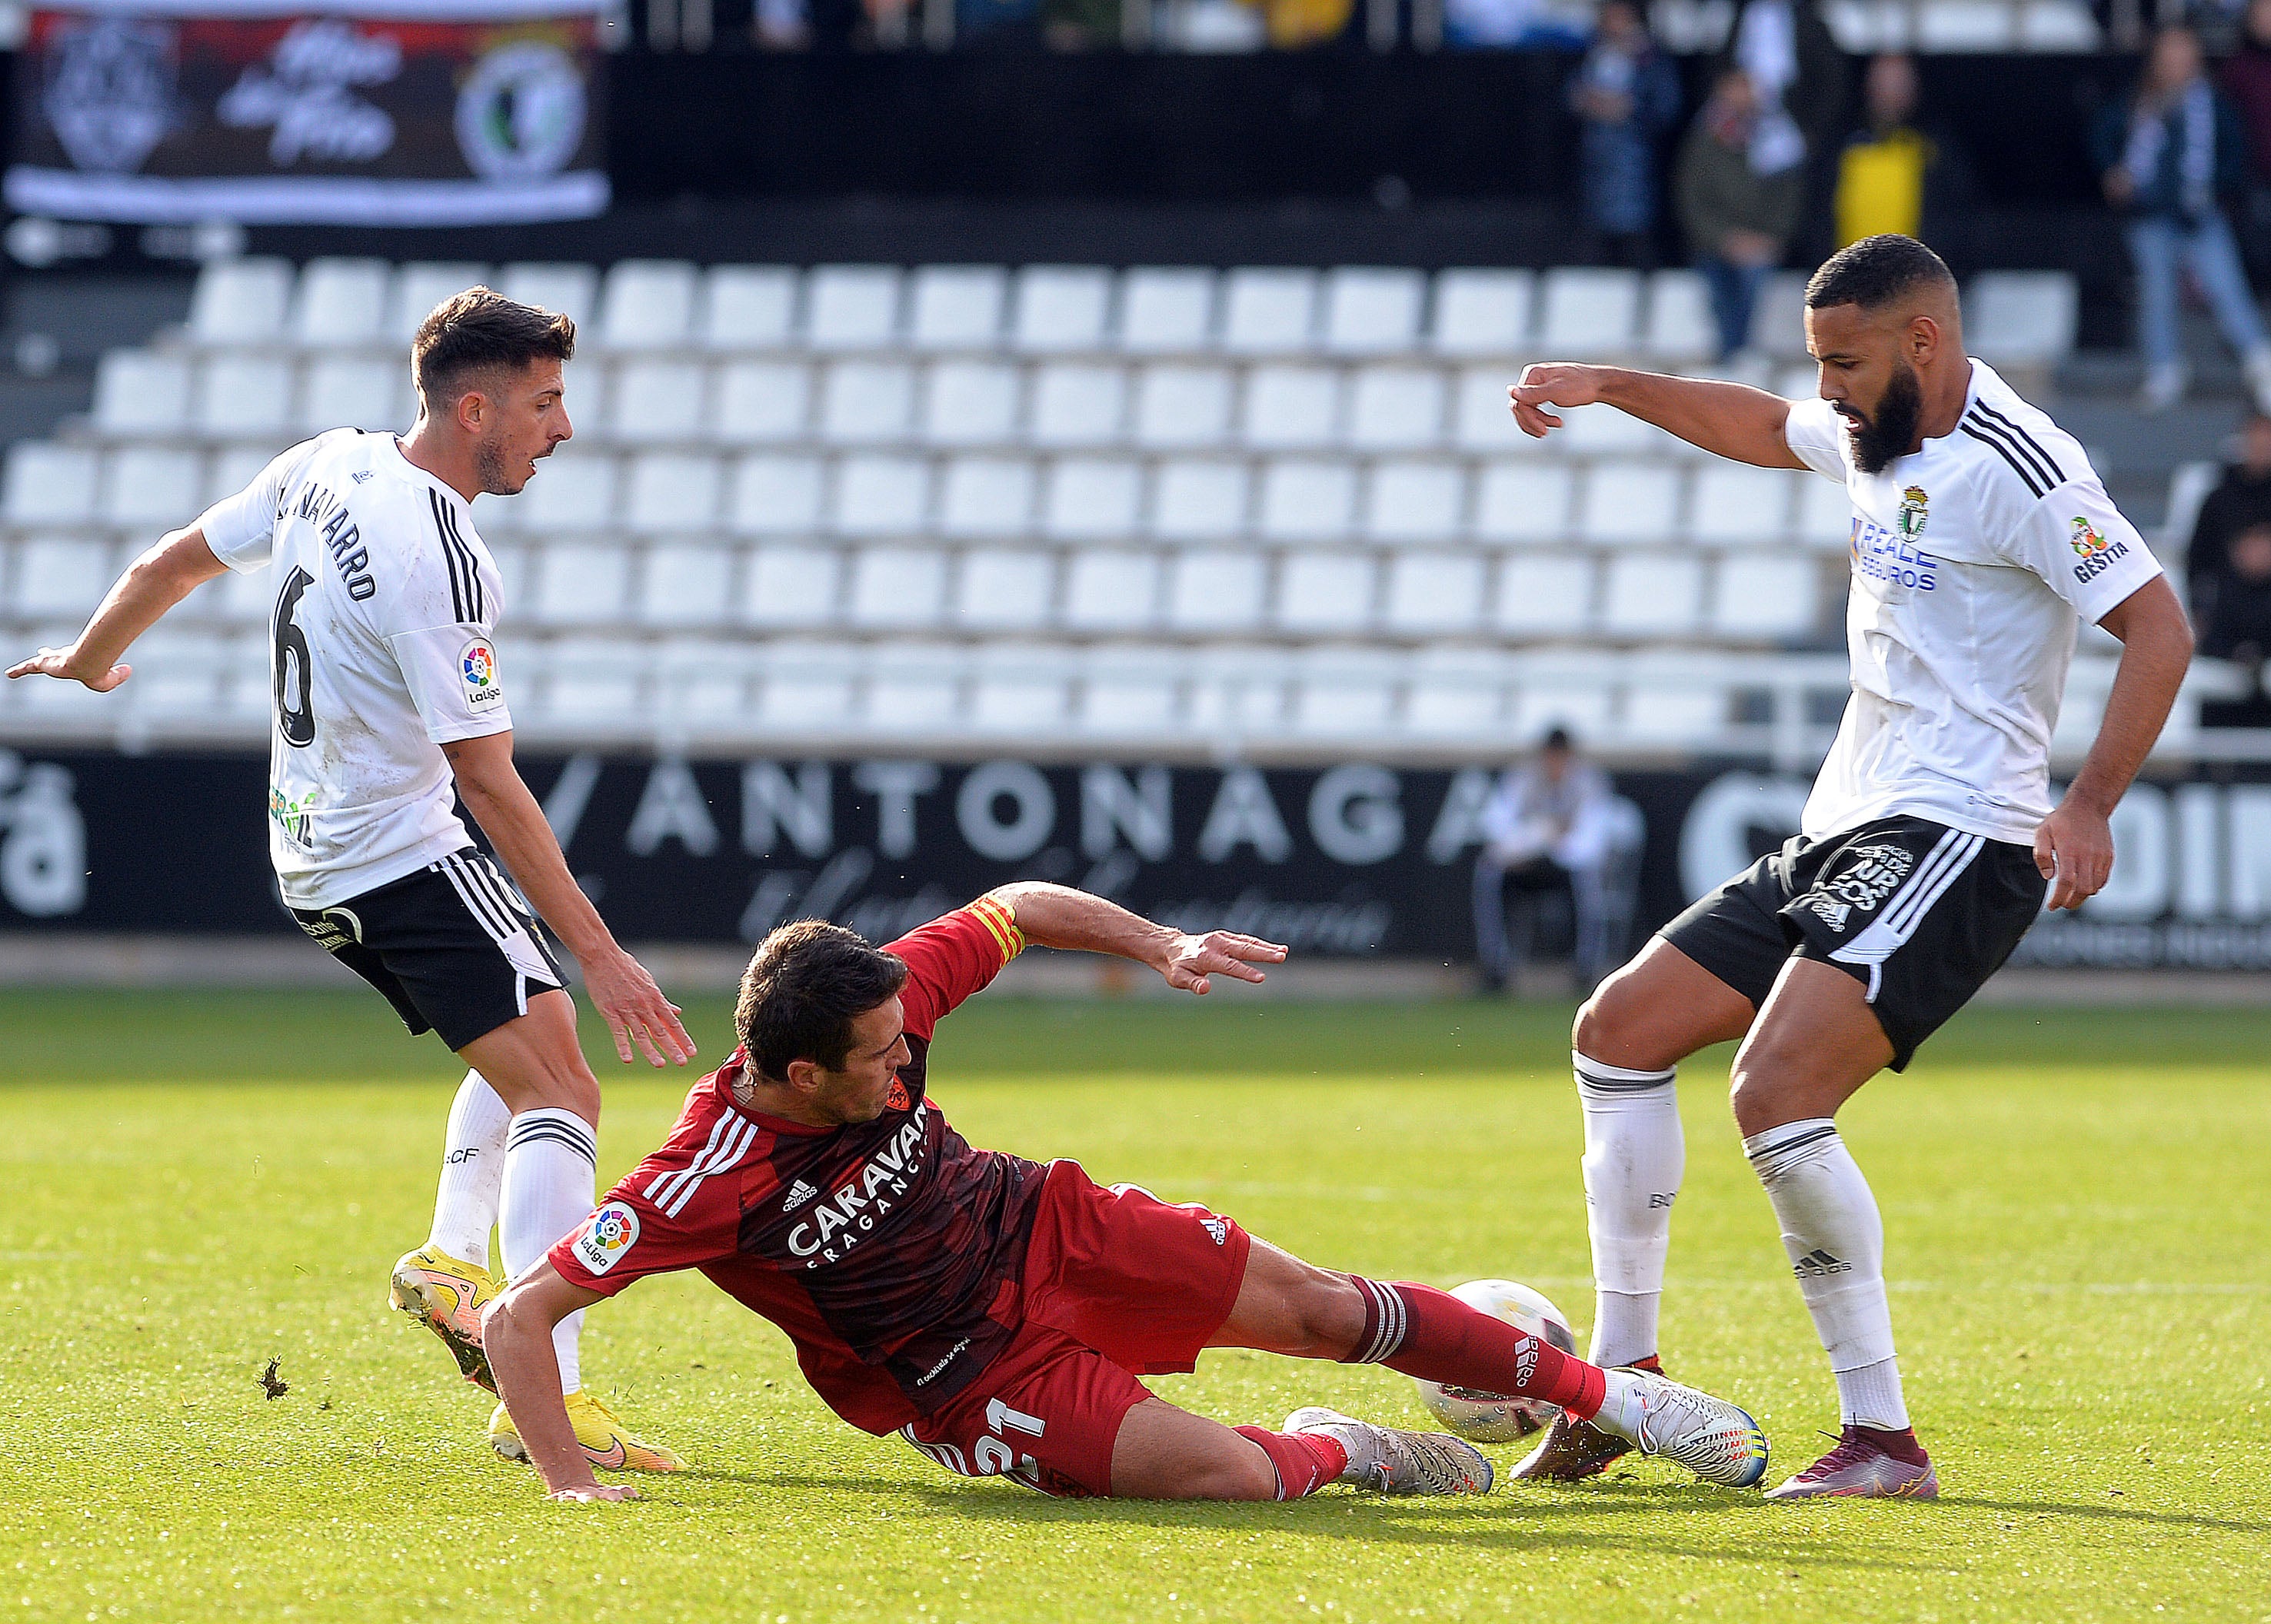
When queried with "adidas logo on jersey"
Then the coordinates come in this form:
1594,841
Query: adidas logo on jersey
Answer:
799,1193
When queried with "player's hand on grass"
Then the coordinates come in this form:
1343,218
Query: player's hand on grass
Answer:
1190,960
64,664
635,1009
1551,383
585,1493
2074,851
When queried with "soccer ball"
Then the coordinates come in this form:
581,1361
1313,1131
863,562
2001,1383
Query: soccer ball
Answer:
1493,1417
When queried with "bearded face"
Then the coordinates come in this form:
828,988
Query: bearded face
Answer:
1888,431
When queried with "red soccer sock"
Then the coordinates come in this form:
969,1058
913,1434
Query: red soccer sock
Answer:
1902,1445
1431,1335
1305,1461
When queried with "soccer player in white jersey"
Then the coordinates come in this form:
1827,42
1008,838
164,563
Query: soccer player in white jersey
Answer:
390,704
1981,538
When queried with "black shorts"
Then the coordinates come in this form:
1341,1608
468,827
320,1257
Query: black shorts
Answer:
1919,913
453,947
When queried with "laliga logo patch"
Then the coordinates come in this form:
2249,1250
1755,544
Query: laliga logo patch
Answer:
607,1234
1914,510
477,664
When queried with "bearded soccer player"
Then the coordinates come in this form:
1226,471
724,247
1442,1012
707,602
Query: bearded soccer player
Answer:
389,706
1981,539
997,1312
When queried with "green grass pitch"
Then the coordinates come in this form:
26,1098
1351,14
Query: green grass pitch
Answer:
2078,1205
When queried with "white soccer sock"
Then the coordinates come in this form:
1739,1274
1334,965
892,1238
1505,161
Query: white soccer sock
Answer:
550,1181
1635,1155
1835,1240
472,1171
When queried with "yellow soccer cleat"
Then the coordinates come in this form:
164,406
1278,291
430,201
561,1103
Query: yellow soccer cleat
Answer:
446,1296
607,1443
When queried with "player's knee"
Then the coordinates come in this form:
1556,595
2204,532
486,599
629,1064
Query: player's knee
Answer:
1606,1018
1758,1086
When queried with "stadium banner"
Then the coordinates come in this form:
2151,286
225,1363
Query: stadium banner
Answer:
311,112
1349,860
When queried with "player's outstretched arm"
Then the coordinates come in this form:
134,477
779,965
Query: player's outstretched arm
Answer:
1729,420
516,1336
617,984
152,583
2073,848
1060,917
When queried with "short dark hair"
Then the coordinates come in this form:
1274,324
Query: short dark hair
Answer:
1875,272
1557,737
481,331
805,985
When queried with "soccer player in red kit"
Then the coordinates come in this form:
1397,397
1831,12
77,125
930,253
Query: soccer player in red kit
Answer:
998,1312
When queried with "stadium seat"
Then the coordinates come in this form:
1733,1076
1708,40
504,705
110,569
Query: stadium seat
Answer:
1825,513
234,467
1324,592
1414,501
1778,322
968,403
2188,488
1673,701
745,308
355,391
1307,501
1456,693
1971,27
1289,407
1111,589
852,307
1482,312
570,289
987,496
418,287
1004,589
1586,313
1679,327
1269,310
59,577
581,586
1021,690
1344,693
897,588
2065,26
1091,498
1395,408
241,394
1771,598
1652,595
177,676
1060,308
1197,500
1129,692
880,496
648,304
571,494
141,392
958,307
704,685
673,491
686,583
1213,592
150,487
1543,595
513,567
915,690
1238,691
1078,403
1166,308
1482,419
763,402
1434,592
248,597
1561,688
240,301
1629,503
1182,405
652,402
866,402
340,303
775,495
591,683
1370,312
791,587
1518,501
2021,317
50,484
1732,504
807,687
1603,431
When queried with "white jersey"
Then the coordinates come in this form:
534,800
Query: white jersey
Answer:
379,653
1975,561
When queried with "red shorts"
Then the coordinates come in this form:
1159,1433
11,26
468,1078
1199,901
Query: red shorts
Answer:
1118,1284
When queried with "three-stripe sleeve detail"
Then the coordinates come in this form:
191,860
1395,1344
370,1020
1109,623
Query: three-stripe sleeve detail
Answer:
493,916
551,1125
729,1141
464,571
1001,924
2025,455
1391,1318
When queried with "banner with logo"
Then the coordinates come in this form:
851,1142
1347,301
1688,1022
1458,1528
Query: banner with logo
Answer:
386,112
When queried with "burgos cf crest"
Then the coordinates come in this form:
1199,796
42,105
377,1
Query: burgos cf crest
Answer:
2087,542
1914,510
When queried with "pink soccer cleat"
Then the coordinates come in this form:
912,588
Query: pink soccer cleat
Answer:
1859,1468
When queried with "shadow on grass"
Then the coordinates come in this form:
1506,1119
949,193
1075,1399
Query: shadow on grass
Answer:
2108,1514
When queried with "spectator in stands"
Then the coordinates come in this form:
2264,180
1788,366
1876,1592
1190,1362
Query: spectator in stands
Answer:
2169,155
2242,498
1896,173
1552,825
1740,189
1298,25
2246,79
1626,95
1802,79
2239,627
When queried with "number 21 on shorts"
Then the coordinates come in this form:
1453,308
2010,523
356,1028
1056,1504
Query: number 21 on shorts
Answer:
993,1455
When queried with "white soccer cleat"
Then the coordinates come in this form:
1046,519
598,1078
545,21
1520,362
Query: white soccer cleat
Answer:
1391,1461
1857,1469
1718,1442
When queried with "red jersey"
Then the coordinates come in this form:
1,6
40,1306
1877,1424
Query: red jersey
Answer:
889,1251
